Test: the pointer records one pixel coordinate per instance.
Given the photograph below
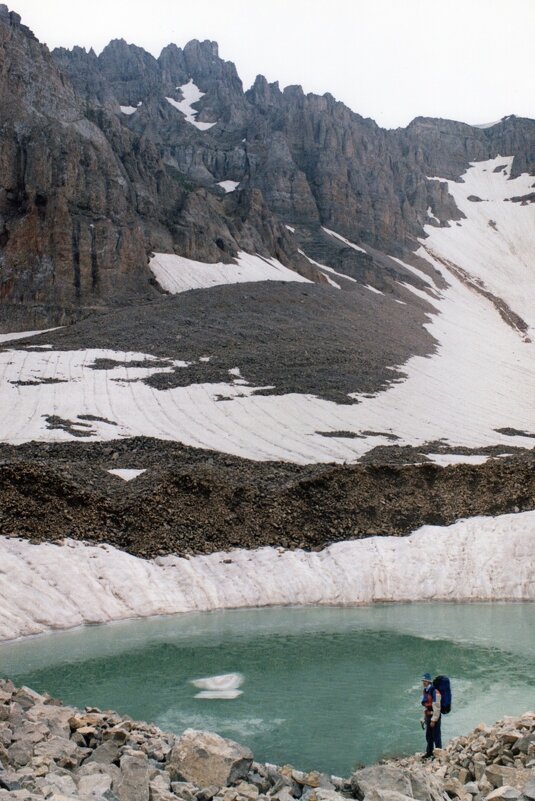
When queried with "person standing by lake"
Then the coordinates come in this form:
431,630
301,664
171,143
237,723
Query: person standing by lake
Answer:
431,702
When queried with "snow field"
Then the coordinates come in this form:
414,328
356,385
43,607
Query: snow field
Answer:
48,586
495,244
481,377
177,274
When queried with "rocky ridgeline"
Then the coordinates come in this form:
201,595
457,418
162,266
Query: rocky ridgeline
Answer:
60,753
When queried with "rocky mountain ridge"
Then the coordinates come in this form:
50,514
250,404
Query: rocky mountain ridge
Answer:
99,169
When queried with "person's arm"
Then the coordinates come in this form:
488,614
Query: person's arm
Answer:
437,701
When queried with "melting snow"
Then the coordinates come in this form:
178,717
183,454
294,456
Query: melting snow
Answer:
49,586
191,94
229,186
127,474
177,274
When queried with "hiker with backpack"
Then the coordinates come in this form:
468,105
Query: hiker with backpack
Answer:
436,701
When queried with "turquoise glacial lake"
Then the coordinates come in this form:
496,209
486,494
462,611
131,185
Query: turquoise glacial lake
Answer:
324,688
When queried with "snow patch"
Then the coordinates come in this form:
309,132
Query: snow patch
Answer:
127,474
229,186
178,274
289,227
487,124
431,215
325,268
373,289
447,459
128,109
343,239
191,94
24,334
47,586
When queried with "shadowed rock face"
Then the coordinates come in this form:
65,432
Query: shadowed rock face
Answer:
70,239
87,191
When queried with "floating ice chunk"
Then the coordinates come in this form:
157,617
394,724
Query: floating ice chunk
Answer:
221,695
229,186
225,681
129,109
191,94
343,239
127,474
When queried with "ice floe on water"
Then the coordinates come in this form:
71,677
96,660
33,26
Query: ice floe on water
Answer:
224,687
49,586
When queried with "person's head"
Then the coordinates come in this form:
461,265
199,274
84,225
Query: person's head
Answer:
427,680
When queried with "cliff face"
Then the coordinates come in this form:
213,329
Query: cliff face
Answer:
106,158
69,235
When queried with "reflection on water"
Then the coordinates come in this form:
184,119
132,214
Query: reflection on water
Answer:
323,688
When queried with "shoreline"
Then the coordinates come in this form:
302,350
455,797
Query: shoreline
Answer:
51,750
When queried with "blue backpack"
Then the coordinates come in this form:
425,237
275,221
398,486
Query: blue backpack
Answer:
442,684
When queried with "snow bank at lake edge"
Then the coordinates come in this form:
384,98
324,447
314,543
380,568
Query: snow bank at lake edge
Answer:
47,586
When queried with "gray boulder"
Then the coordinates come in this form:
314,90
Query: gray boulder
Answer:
380,777
205,758
133,784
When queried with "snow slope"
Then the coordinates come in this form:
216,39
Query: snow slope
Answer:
50,586
178,274
495,244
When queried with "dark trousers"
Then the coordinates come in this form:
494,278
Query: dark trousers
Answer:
433,736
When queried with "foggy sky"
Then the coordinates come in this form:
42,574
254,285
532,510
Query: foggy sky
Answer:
392,60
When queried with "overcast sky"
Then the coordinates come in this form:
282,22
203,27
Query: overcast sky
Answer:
393,60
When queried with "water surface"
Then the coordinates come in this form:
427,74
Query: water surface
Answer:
325,688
